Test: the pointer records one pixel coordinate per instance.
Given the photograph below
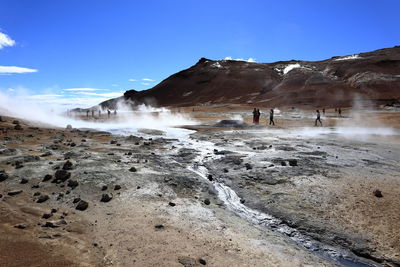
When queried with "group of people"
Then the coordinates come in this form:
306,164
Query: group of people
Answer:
257,113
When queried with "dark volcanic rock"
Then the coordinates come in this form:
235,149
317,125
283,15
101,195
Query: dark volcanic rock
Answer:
3,175
105,198
24,181
207,201
159,226
47,177
72,183
210,178
132,169
202,261
21,226
47,215
76,200
18,127
42,198
172,204
61,176
377,193
292,162
68,165
82,205
117,187
14,192
104,188
248,166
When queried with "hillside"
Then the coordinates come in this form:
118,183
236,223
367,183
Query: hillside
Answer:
328,83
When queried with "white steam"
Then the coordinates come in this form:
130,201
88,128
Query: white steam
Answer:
126,121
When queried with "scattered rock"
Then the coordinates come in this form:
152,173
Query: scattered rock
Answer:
61,176
69,127
172,204
113,142
72,183
3,175
67,165
47,215
378,193
132,169
242,200
21,226
36,194
24,181
283,163
15,122
14,192
210,178
292,162
76,200
82,205
159,227
104,188
207,201
55,224
117,187
47,177
202,261
248,166
42,198
105,198
46,154
53,210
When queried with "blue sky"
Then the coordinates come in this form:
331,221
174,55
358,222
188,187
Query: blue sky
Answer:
102,48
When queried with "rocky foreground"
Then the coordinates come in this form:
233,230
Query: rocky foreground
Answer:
87,198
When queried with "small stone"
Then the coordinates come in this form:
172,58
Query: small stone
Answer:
42,198
248,166
53,210
24,181
210,178
105,198
202,261
47,215
283,163
18,127
117,187
242,200
113,142
76,200
61,176
292,162
159,226
378,193
21,226
104,188
172,204
132,169
3,175
207,201
72,184
14,192
67,165
82,205
36,194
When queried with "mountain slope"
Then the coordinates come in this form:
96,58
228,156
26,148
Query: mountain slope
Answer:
329,83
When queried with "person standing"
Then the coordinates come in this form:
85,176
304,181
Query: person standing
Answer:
318,118
271,117
258,116
340,112
108,113
254,115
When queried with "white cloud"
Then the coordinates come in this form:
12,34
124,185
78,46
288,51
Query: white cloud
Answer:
250,60
114,85
145,83
147,80
132,80
5,40
11,89
13,69
84,89
113,94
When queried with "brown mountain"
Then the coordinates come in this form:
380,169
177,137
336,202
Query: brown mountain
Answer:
329,83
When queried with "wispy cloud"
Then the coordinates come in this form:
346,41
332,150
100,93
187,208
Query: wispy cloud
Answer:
14,69
251,60
147,80
145,83
143,79
5,40
132,80
114,85
112,94
84,89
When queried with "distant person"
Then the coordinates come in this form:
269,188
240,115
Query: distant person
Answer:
108,113
87,113
258,116
323,111
254,115
318,118
92,113
340,112
335,109
115,112
271,117
99,113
